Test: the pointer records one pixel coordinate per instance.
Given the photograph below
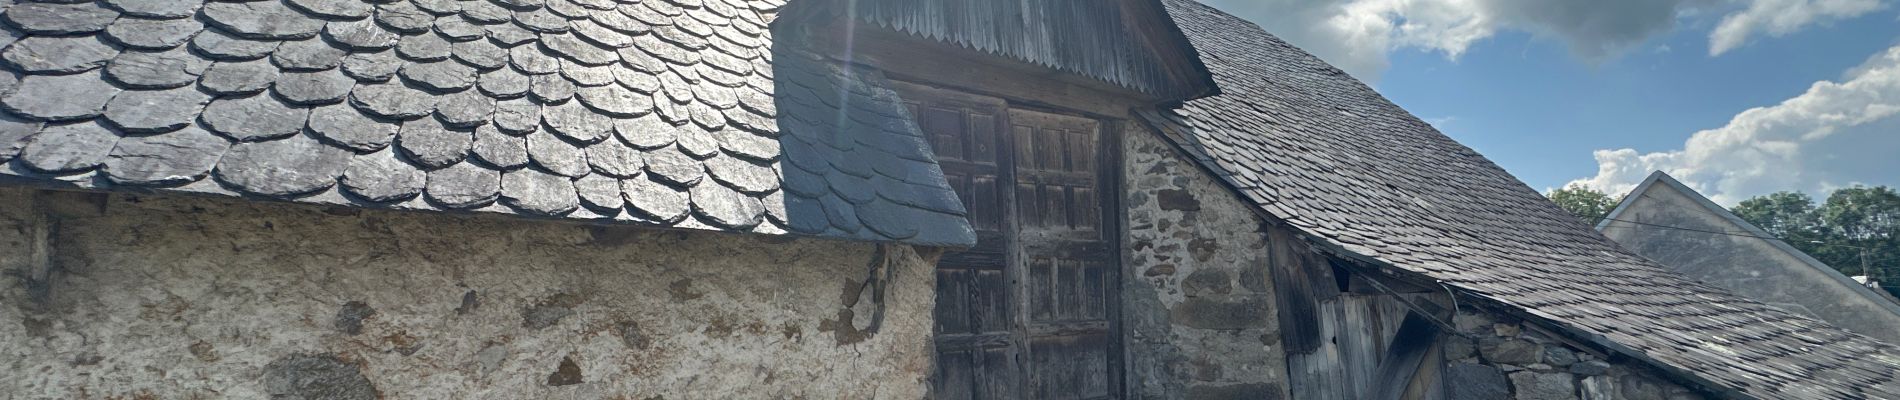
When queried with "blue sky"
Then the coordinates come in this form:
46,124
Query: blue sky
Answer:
1543,91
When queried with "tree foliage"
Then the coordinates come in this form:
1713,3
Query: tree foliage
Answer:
1583,201
1853,223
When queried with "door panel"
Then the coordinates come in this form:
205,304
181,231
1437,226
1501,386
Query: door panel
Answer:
1027,313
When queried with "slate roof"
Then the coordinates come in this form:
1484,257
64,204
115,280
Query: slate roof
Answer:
675,113
1313,146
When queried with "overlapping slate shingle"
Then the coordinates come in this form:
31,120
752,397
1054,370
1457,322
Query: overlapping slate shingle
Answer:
1318,149
658,112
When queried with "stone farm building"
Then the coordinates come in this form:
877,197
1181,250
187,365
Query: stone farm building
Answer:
900,199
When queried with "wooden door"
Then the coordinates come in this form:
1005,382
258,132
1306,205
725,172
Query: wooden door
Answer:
1026,313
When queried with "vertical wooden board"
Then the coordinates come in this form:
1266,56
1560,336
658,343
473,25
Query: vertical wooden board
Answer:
997,375
1095,290
1024,137
1029,211
1041,287
954,380
985,203
982,136
1068,296
952,305
946,129
992,304
1089,212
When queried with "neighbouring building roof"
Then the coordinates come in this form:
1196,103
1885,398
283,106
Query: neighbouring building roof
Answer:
1310,145
1671,223
673,113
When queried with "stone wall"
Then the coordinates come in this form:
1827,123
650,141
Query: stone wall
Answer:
166,297
1500,359
1197,298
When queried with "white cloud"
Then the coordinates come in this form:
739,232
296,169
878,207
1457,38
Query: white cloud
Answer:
1834,134
1357,35
1781,17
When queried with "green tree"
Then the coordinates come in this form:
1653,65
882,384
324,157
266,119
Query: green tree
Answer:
1790,216
1856,226
1583,201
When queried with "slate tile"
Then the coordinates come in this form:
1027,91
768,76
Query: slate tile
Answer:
147,111
550,88
431,145
538,193
480,54
335,9
720,206
505,83
805,215
307,55
313,88
465,109
458,29
68,148
888,219
577,123
572,48
463,186
842,215
615,159
645,133
60,19
265,19
706,116
60,97
439,7
540,20
156,8
253,118
218,45
669,165
238,78
287,167
13,134
486,12
360,35
404,17
531,59
585,75
501,150
439,76
423,47
342,125
392,100
381,177
600,194
601,35
745,176
517,116
655,201
857,190
557,155
156,70
639,81
372,67
57,55
509,34
753,122
696,141
153,34
174,158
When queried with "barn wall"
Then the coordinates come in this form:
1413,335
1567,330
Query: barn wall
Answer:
206,298
1197,297
1499,358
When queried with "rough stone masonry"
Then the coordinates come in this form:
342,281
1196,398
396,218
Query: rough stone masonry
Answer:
175,297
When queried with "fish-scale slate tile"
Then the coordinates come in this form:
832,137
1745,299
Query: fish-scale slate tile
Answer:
60,97
264,19
153,34
68,148
392,100
49,18
156,8
463,186
360,35
238,77
642,112
57,55
432,145
307,55
172,158
557,155
313,88
156,69
381,177
497,149
532,191
335,9
287,167
372,67
343,125
254,118
155,110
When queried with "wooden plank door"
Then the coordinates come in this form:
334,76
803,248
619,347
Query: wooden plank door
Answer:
1028,312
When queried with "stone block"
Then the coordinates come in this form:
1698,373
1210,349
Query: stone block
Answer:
1475,382
1208,282
1204,313
1510,351
1597,388
1590,368
1559,356
1244,391
1544,386
1507,330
